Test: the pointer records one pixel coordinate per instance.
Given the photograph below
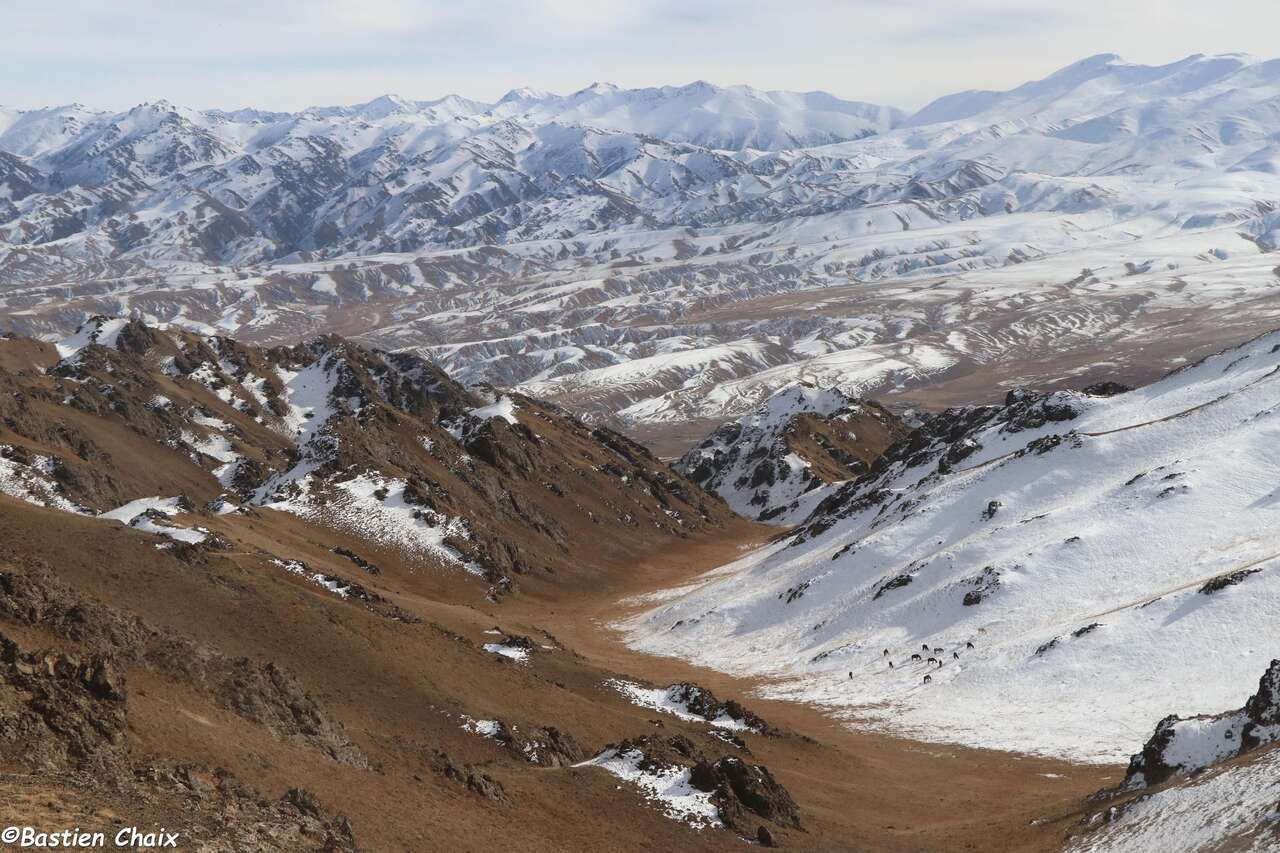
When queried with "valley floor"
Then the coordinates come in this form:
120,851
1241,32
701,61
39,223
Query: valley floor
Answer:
860,790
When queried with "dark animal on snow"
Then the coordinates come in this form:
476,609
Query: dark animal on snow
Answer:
915,657
886,652
890,664
924,647
968,645
955,656
932,660
928,678
937,650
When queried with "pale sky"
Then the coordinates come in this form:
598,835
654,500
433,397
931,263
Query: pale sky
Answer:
287,54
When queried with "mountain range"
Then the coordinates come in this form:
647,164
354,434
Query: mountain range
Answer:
661,259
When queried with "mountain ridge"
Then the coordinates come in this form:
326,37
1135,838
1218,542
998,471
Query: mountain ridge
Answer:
1104,202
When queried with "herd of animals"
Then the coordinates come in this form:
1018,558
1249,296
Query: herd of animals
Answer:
935,657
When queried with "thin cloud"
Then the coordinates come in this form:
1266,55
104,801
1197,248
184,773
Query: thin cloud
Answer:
288,54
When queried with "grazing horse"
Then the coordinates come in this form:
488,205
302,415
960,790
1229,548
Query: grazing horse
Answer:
890,664
928,678
915,657
924,647
955,656
937,650
851,676
886,653
932,660
968,645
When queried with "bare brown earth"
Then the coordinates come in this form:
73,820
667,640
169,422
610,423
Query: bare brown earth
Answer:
397,690
206,689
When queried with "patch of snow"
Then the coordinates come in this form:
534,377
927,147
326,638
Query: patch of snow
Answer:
516,653
182,534
33,482
667,787
98,330
134,508
504,407
668,701
485,728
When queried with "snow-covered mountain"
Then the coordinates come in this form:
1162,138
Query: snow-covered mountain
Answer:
776,463
1085,564
678,254
732,119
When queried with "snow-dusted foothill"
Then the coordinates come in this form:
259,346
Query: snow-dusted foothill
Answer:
1228,808
380,447
776,463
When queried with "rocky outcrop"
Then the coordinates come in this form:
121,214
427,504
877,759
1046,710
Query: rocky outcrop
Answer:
1181,746
224,816
942,443
266,695
63,713
743,793
701,701
61,710
472,778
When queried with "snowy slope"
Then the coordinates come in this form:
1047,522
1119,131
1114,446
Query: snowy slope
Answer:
1230,808
1110,559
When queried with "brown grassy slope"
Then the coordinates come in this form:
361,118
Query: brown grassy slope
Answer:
398,691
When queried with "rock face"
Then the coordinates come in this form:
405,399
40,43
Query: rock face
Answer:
943,442
61,710
778,462
744,792
1182,746
701,701
262,693
61,713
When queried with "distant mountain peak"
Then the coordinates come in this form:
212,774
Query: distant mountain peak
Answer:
525,93
385,105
